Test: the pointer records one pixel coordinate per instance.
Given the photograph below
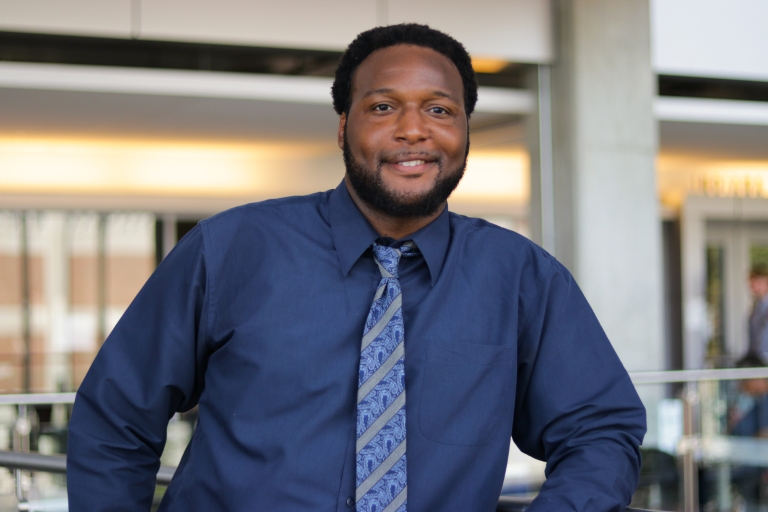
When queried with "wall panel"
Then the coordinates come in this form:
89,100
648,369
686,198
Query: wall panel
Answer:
514,30
110,18
287,23
711,38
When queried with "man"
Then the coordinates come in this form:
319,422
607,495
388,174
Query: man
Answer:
754,422
758,319
750,422
363,348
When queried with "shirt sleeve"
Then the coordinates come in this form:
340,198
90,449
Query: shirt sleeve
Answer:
150,367
761,408
762,331
576,407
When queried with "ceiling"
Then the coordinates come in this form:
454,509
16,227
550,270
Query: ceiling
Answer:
115,115
52,113
714,140
42,113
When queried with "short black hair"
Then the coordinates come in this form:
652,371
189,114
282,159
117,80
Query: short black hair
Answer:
751,360
759,270
406,34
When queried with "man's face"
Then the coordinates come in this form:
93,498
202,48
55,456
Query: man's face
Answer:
405,138
758,285
755,387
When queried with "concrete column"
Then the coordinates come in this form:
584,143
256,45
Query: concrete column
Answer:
607,228
602,202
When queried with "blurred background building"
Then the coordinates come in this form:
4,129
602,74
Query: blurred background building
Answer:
630,139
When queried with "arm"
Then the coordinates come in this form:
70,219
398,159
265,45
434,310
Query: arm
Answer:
576,407
760,342
151,366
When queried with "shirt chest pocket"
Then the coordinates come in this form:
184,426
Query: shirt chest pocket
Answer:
465,389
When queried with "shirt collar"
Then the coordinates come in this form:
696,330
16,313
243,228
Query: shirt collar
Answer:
353,235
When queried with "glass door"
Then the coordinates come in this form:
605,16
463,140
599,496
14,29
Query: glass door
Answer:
732,249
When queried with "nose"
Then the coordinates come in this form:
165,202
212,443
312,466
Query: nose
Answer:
411,126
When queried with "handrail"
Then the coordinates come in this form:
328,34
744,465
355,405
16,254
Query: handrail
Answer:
38,398
638,378
34,462
668,377
511,504
58,464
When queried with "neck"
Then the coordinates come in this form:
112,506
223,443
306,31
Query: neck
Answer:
386,225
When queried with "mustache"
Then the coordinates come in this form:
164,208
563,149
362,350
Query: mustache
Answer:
430,156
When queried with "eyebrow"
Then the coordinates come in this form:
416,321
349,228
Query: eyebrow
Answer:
389,90
383,90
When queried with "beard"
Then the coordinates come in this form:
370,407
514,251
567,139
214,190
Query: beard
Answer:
370,188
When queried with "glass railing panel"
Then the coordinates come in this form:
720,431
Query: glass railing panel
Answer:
37,428
731,444
42,428
660,477
524,475
712,441
707,447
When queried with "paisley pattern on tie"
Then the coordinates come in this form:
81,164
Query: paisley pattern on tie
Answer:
381,461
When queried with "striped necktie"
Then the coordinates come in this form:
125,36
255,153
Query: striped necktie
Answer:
380,459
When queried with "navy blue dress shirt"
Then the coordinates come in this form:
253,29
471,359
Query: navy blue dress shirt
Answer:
257,315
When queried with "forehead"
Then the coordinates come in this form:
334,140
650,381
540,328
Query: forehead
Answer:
403,67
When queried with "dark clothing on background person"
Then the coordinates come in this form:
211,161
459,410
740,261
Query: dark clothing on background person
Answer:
749,479
758,328
754,421
257,316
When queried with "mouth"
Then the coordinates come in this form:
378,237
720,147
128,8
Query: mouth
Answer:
412,163
411,166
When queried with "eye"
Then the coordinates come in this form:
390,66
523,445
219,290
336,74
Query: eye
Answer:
438,110
382,107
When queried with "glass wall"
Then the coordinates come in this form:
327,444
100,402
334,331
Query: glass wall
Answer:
67,278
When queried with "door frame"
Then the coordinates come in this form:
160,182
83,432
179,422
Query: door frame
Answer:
696,212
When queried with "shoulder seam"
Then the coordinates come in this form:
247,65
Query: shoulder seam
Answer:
487,224
267,203
522,326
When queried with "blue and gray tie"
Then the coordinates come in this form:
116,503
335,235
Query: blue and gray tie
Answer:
381,468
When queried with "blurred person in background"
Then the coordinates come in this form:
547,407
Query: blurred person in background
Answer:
297,327
753,421
758,319
749,418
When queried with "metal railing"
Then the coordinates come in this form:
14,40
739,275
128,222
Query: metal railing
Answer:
20,460
38,398
687,376
690,444
58,464
691,448
509,504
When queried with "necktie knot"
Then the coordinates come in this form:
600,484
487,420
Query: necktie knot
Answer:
388,258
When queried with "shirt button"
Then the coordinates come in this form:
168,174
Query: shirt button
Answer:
350,502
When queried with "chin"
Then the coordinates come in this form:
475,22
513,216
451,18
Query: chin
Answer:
410,195
409,186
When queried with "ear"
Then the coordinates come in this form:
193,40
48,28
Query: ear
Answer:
340,133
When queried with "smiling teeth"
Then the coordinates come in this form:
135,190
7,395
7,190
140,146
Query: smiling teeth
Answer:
412,163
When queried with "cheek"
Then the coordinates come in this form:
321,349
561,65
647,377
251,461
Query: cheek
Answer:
366,145
454,142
